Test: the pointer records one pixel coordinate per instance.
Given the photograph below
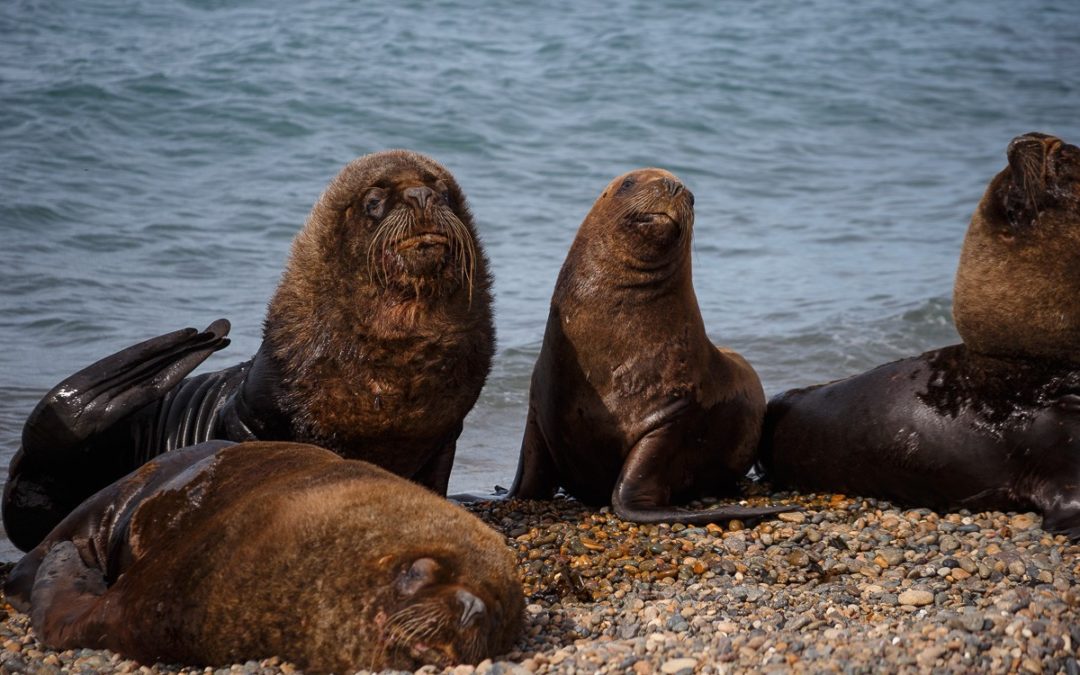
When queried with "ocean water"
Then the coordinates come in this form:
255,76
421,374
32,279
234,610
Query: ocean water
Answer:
156,159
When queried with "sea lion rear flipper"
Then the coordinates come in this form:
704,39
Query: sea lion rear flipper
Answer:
536,473
642,492
65,598
93,399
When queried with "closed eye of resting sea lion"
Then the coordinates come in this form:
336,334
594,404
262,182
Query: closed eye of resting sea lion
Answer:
221,553
376,344
631,404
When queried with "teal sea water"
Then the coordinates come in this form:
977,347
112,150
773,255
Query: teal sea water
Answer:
157,158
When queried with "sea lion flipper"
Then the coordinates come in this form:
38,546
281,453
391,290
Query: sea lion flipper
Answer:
536,472
96,397
64,597
642,492
435,473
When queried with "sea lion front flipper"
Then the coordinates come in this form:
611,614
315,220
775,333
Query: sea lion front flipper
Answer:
93,399
642,492
435,473
537,477
64,597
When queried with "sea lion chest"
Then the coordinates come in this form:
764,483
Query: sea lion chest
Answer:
609,382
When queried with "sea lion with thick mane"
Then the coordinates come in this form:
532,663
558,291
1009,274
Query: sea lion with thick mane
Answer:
993,423
1017,287
376,344
222,553
631,404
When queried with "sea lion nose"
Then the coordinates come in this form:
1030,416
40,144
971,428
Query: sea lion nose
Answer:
472,607
1029,142
673,186
419,196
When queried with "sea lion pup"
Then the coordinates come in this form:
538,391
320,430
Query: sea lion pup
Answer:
221,553
1018,283
375,345
630,403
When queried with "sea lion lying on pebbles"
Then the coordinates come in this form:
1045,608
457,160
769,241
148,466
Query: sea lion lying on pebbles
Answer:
220,553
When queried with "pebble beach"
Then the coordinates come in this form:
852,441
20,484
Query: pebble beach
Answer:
845,585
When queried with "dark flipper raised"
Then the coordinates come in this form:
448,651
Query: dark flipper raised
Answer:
55,469
92,400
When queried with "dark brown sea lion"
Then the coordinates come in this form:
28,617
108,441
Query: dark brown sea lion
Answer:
220,553
950,429
1018,284
375,345
631,404
990,424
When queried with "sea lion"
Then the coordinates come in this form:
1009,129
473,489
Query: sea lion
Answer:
1019,275
221,553
375,345
993,423
631,404
950,429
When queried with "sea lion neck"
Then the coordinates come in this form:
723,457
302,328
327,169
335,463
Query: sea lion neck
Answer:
609,272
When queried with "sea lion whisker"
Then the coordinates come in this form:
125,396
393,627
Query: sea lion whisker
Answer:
462,248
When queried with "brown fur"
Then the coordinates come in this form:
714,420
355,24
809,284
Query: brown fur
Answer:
1018,282
631,403
384,346
286,549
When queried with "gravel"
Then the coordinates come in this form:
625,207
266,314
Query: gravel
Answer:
846,585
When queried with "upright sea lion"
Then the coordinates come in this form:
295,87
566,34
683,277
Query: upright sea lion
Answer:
221,553
375,345
1018,282
993,423
631,404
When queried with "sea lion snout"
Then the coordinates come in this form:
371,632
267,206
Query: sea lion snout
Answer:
1030,140
674,187
472,607
419,196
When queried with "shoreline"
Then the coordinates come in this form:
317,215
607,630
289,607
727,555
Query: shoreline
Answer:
852,585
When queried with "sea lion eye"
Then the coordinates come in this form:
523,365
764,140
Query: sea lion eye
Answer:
444,191
375,202
419,574
626,185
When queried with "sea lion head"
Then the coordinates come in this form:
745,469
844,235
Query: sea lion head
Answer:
380,334
1018,276
431,614
645,217
399,222
1039,188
